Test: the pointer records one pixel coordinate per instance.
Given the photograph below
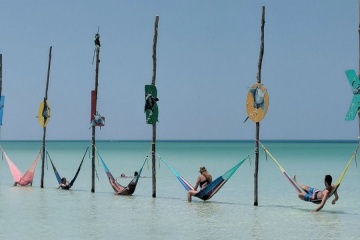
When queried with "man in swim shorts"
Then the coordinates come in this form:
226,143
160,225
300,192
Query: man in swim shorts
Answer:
318,196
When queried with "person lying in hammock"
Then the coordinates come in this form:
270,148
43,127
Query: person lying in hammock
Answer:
316,195
203,179
64,184
120,190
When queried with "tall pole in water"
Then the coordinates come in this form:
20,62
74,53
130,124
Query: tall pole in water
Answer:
258,122
153,147
45,115
94,103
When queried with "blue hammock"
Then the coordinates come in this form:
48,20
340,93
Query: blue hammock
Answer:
67,187
130,188
211,188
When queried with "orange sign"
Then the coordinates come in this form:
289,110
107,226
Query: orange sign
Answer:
257,102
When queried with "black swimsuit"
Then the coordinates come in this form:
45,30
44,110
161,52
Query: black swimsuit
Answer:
203,182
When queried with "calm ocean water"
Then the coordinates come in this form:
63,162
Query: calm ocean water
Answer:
48,213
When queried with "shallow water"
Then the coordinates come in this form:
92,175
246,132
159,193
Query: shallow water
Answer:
48,213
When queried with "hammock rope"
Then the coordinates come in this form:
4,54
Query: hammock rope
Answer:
292,182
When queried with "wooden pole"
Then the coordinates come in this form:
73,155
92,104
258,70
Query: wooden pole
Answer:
44,135
97,50
153,146
258,123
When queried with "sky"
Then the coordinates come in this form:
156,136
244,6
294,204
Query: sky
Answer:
207,57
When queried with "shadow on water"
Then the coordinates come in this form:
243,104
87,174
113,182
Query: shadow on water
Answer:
198,201
308,210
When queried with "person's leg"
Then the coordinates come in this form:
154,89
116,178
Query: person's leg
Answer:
191,193
304,187
302,195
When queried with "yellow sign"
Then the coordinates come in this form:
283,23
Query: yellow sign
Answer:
44,113
257,102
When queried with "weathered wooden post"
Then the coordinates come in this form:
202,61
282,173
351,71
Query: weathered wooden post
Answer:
151,108
257,103
95,118
44,118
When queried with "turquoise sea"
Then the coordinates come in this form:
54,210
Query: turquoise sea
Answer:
48,213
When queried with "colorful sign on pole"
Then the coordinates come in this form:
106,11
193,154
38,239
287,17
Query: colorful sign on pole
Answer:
257,102
151,107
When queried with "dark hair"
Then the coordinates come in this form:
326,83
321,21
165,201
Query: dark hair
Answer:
135,173
328,179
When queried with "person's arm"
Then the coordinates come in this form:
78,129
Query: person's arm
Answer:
323,201
197,183
336,197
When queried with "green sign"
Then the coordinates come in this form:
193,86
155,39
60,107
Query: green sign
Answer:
151,107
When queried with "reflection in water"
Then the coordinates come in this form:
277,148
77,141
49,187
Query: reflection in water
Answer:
256,226
205,209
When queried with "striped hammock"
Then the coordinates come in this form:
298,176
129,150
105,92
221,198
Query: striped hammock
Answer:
298,188
211,188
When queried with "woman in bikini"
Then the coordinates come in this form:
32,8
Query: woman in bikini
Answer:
317,196
203,179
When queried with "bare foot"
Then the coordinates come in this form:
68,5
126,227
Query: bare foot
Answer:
294,178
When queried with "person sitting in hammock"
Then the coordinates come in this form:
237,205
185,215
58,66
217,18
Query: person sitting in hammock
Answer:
203,179
64,184
120,190
316,195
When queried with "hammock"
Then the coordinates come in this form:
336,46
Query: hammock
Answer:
211,188
298,188
19,178
125,190
67,187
